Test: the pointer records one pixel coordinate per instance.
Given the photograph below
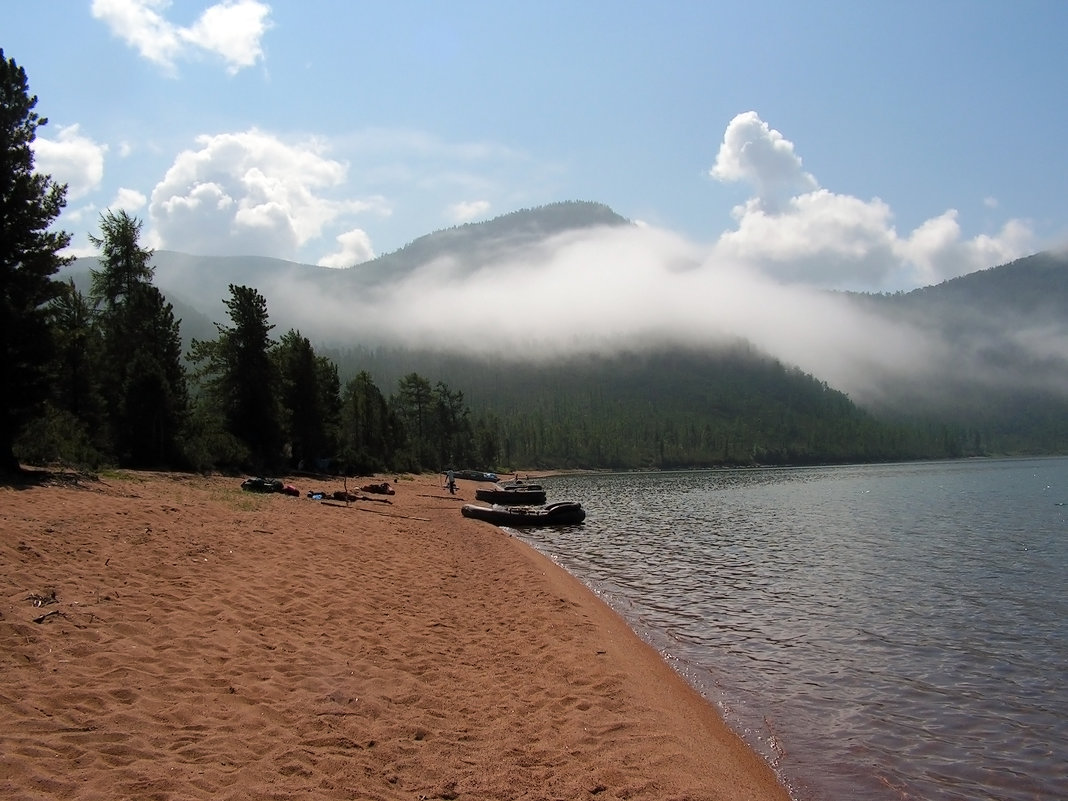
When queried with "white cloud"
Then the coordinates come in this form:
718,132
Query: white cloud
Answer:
72,159
232,29
938,252
250,193
355,249
819,238
137,22
128,199
465,211
795,231
759,155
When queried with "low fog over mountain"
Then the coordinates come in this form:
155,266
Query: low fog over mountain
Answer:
577,278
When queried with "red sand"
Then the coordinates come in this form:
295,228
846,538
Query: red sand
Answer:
209,643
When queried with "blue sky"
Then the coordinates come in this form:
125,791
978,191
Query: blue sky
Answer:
866,145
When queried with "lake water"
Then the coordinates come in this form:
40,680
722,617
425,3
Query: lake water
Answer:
876,632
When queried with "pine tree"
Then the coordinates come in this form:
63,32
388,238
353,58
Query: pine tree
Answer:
76,367
414,404
329,384
451,434
309,394
369,431
125,264
143,379
241,379
153,399
29,203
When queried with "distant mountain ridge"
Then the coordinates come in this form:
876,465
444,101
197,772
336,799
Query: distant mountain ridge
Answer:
1033,287
202,282
483,242
1009,321
1004,330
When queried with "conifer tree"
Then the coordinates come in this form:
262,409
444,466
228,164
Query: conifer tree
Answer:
153,395
329,386
241,379
143,379
29,257
452,437
125,265
414,404
76,366
309,394
369,432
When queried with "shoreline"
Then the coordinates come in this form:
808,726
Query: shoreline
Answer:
196,641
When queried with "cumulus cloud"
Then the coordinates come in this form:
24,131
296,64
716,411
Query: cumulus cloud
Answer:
72,159
129,200
818,238
232,30
466,211
250,193
796,231
757,154
937,250
355,248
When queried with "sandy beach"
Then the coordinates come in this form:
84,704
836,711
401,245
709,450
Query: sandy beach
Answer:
169,636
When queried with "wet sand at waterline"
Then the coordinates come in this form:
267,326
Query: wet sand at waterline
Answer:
168,636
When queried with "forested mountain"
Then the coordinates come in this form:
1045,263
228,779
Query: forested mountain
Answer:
475,245
198,284
1031,287
1000,384
663,408
1007,331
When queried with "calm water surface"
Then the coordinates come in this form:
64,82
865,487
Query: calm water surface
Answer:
877,632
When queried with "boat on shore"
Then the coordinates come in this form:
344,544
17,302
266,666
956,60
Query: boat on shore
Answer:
561,513
516,495
519,483
475,475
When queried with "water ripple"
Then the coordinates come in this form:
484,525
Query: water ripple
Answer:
886,632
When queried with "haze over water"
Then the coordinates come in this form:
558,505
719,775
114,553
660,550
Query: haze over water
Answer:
877,632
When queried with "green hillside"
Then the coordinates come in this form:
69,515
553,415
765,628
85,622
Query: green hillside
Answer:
1001,387
1008,330
661,409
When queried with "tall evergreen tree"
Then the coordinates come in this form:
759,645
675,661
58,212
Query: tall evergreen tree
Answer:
29,203
452,437
143,378
241,379
414,404
309,395
153,396
77,355
76,367
329,385
487,442
125,264
369,432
